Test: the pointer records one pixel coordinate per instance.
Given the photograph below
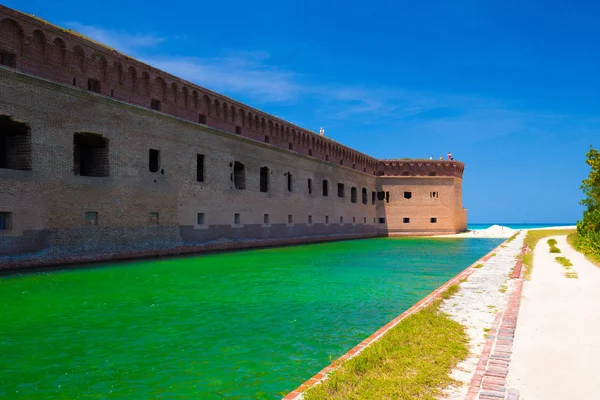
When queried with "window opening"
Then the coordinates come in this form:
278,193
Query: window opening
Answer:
200,167
202,119
353,195
91,218
407,195
201,219
239,175
264,179
309,186
325,188
155,104
365,198
341,190
5,221
90,155
433,220
153,160
93,85
15,144
406,220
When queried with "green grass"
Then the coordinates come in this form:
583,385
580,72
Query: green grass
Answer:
412,361
573,240
451,291
503,289
492,255
510,239
531,240
571,275
565,262
552,242
480,265
554,249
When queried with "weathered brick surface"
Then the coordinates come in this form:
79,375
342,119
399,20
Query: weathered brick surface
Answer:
49,201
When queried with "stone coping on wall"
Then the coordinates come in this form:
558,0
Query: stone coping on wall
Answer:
322,375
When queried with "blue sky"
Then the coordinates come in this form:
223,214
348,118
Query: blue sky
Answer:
511,88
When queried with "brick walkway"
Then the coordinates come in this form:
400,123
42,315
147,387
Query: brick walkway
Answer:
489,380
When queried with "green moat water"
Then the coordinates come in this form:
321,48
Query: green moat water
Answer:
242,325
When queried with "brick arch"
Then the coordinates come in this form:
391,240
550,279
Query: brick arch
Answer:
241,117
185,96
256,123
225,111
120,74
131,79
11,36
173,93
97,67
272,128
207,103
288,135
78,58
142,85
37,47
159,88
57,52
263,124
216,109
195,99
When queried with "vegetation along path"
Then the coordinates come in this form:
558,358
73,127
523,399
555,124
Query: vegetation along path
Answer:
556,345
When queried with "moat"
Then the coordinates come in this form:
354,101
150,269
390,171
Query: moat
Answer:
248,324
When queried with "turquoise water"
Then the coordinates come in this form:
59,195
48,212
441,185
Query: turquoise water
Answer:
517,226
240,325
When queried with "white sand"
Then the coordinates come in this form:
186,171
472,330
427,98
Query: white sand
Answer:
557,339
498,231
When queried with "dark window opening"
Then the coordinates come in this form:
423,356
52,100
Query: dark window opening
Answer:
155,104
365,169
153,218
310,219
353,166
373,197
266,219
289,182
237,219
380,196
153,160
326,158
407,195
239,176
264,179
387,197
200,219
5,221
74,82
365,220
15,144
202,119
353,220
290,219
310,152
200,167
433,220
309,186
353,195
91,218
382,220
327,219
341,220
267,139
433,194
325,188
341,162
341,191
238,130
93,85
432,174
291,146
406,220
365,197
8,59
112,92
90,155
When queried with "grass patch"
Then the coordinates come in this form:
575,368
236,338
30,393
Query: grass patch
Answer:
451,291
571,275
478,265
531,240
510,239
554,249
492,255
503,289
412,361
552,242
564,261
574,242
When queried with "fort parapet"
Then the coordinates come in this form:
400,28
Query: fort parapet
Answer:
102,156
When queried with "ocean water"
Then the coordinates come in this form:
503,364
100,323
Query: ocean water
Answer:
517,226
239,325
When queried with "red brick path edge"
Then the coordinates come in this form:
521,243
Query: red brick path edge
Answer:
489,379
426,301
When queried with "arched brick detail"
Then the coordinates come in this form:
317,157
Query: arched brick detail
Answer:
159,88
11,36
77,58
97,67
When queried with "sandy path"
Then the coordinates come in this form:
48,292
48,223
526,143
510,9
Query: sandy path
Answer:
557,339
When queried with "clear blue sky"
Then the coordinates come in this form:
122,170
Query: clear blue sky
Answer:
512,88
